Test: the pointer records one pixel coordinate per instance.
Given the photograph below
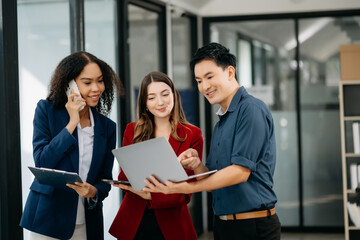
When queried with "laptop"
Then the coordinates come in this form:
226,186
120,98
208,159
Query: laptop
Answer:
151,157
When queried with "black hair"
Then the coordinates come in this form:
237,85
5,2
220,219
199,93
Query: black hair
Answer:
71,67
215,52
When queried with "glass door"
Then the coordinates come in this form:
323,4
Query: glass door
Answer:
146,46
265,69
320,39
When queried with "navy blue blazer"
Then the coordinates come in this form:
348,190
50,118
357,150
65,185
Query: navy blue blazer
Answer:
49,210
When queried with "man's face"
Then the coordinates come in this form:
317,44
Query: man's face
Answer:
214,82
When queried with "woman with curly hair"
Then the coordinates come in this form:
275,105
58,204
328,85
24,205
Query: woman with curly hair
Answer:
74,140
144,215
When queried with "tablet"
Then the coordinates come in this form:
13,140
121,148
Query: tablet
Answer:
110,181
54,177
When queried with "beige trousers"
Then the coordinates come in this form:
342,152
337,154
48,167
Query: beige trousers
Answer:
79,234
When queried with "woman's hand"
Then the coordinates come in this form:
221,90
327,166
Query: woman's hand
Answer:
84,189
143,194
73,106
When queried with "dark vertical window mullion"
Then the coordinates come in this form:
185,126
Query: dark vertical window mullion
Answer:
162,40
252,49
197,197
208,126
278,104
298,119
208,115
194,47
264,66
10,158
77,34
123,60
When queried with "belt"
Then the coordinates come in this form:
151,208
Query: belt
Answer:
248,215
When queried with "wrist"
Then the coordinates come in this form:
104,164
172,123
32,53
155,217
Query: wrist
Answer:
94,195
71,127
198,168
187,189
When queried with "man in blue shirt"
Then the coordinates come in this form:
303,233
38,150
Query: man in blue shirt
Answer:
242,149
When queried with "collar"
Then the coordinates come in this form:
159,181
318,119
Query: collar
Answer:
237,97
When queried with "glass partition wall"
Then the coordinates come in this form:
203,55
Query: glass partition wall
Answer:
264,69
42,44
100,32
183,35
319,40
144,43
298,80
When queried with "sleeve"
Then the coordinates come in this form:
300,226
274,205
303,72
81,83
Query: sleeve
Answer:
93,201
159,200
107,166
48,150
250,137
127,140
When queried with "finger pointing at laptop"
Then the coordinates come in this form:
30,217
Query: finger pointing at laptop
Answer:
190,159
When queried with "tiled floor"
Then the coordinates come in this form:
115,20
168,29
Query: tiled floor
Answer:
293,236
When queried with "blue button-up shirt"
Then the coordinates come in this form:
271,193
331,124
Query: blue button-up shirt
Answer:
244,136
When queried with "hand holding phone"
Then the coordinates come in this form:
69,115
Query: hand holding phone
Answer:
72,85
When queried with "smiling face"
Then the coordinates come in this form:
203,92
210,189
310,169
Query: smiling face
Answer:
215,83
91,84
160,99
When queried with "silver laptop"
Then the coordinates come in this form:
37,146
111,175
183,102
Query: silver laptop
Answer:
152,157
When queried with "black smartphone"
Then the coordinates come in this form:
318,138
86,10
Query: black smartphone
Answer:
110,181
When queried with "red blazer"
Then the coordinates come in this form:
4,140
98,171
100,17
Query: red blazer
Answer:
171,211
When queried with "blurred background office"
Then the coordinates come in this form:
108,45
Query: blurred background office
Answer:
288,56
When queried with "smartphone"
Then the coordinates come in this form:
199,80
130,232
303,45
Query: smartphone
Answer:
109,181
72,85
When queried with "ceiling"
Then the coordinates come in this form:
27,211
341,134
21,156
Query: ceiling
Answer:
316,35
319,37
246,7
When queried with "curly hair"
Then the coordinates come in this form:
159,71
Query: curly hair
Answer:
71,67
145,125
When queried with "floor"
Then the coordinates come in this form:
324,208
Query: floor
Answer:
293,236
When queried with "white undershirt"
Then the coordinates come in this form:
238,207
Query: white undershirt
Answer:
220,112
86,144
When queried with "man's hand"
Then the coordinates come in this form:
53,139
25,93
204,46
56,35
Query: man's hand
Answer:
190,159
84,189
153,185
145,195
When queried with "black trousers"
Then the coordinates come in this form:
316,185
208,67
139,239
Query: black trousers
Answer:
149,228
268,228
